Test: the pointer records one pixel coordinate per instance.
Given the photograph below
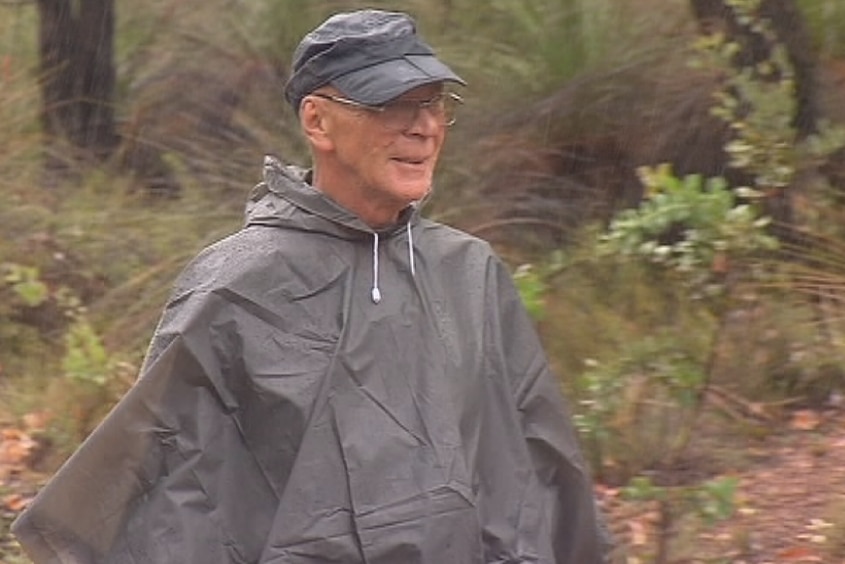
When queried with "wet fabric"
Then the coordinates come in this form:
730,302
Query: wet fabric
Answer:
282,416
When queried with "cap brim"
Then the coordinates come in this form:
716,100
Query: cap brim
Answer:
385,81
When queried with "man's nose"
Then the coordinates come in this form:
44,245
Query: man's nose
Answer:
427,121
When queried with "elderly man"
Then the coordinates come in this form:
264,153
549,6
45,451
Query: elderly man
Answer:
340,380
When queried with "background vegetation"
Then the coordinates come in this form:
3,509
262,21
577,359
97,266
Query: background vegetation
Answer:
613,152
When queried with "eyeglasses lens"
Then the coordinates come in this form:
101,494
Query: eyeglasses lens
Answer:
402,113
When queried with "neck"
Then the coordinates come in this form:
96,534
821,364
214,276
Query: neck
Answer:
376,213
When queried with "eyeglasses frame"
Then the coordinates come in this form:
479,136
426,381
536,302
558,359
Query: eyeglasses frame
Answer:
381,108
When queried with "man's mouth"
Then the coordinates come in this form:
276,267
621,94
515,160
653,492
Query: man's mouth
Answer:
410,160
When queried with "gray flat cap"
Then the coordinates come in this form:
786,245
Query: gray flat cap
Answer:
371,56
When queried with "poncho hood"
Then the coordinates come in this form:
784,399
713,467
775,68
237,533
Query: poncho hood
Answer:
283,415
286,199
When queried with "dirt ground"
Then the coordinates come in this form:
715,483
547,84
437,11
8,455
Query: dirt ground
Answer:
792,501
789,504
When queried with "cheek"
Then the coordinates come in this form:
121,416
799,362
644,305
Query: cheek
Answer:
376,155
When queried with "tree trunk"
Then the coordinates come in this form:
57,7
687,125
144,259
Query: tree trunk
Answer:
789,27
788,24
77,74
56,33
95,65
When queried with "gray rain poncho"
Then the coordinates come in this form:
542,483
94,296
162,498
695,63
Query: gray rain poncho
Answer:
317,392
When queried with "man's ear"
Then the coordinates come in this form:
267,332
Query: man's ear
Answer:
315,123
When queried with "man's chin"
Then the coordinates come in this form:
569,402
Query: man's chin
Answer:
411,189
417,193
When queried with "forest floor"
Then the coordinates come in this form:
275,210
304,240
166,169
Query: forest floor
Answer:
793,498
789,504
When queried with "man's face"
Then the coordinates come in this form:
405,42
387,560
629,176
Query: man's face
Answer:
382,167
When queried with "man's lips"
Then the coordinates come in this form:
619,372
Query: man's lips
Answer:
410,160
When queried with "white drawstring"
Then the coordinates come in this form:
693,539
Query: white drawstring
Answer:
411,248
376,293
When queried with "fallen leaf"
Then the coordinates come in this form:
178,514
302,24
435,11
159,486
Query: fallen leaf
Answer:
11,434
799,554
639,536
15,502
36,421
16,447
805,420
818,524
720,264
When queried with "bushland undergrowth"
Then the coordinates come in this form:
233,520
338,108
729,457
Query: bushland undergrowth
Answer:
707,256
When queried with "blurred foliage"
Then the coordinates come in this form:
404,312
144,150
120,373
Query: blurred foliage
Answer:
25,284
694,228
713,500
639,405
759,104
710,501
635,405
532,289
707,247
826,18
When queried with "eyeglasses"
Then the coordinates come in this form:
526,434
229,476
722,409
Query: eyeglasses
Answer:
399,115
